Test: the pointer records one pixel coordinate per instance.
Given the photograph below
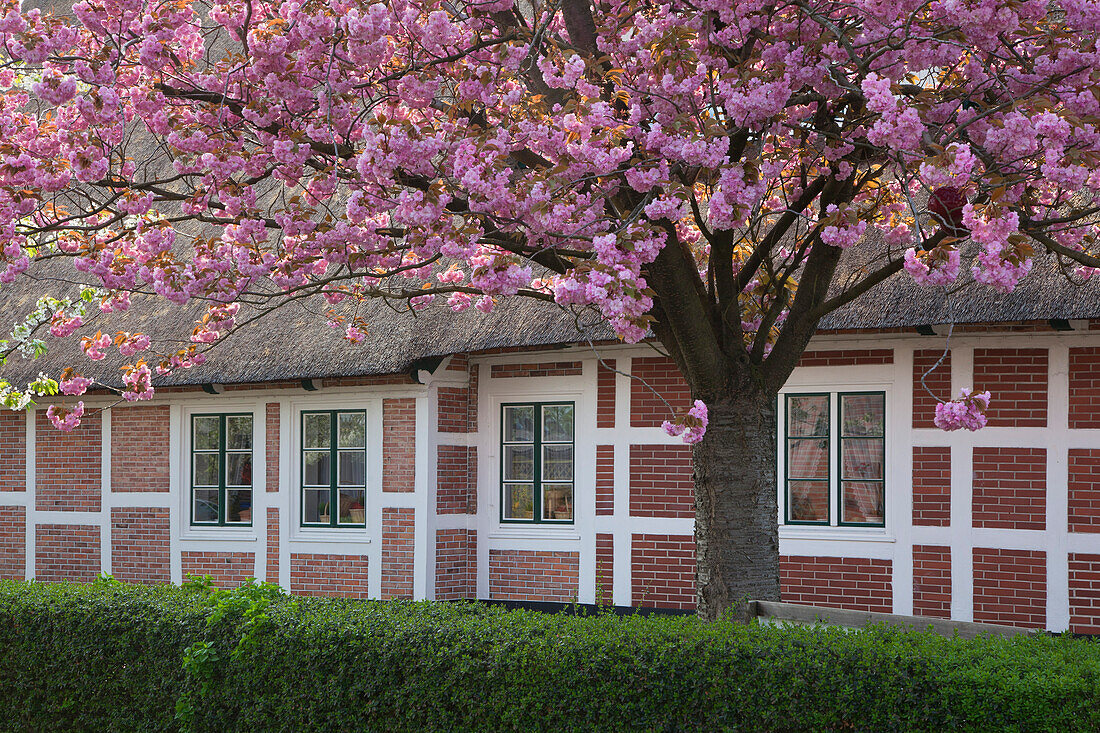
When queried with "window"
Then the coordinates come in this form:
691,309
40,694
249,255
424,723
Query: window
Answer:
221,470
855,443
334,468
537,462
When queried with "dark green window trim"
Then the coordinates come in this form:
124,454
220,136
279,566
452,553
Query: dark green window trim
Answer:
537,445
787,479
334,450
840,459
222,452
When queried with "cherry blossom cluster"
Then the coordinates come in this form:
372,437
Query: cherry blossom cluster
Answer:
967,411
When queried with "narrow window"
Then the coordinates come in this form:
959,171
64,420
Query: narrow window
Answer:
807,459
862,458
537,462
221,470
334,468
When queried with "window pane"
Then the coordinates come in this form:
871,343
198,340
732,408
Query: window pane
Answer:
316,506
317,428
238,506
352,468
808,501
557,463
519,501
557,501
351,507
315,468
238,469
353,429
807,415
206,505
861,502
557,423
808,458
862,414
205,470
519,463
238,432
205,433
861,458
519,424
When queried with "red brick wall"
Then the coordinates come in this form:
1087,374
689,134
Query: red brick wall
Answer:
454,406
847,357
605,480
931,486
534,575
545,369
344,576
13,438
605,569
932,581
605,393
272,545
66,552
1010,587
271,429
938,380
399,444
660,481
1018,380
657,373
663,570
139,448
140,544
13,542
1084,490
471,409
455,564
67,465
397,552
859,584
1084,387
1084,593
456,480
1010,488
228,569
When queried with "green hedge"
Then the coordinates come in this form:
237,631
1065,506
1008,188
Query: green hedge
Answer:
109,657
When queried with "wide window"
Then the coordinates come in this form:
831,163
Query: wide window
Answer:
537,462
835,468
334,468
221,470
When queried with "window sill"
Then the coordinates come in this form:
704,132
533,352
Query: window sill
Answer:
506,532
351,536
843,534
236,534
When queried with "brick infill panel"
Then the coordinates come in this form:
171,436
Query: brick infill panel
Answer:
1084,593
605,393
397,552
650,373
932,581
663,571
1010,587
605,480
271,430
1017,378
1010,488
1084,387
856,583
543,369
455,480
661,482
139,448
228,569
605,569
399,444
67,465
344,576
1084,490
453,405
931,486
13,542
534,575
847,357
13,436
455,564
140,544
938,381
66,552
273,545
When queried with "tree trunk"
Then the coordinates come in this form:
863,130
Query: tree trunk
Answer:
736,514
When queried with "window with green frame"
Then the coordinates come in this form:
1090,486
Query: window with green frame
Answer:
537,462
221,469
857,439
334,468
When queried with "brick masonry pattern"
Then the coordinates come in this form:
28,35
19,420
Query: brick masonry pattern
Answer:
228,569
932,581
1010,486
13,540
456,480
543,369
67,465
1084,387
661,481
455,564
663,570
139,448
1084,490
605,480
534,575
847,357
605,393
859,584
1018,380
1010,587
272,545
140,544
271,428
931,486
1084,593
399,444
66,552
647,410
344,576
397,552
938,381
13,436
605,569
